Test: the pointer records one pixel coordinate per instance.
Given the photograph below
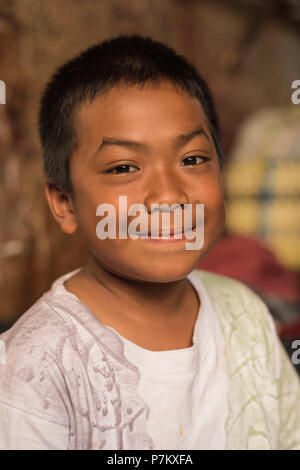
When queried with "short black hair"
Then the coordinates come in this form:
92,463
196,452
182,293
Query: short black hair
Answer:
126,59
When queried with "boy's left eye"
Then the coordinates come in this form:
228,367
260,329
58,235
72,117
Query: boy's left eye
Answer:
192,160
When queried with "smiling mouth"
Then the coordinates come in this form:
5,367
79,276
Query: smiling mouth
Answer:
165,236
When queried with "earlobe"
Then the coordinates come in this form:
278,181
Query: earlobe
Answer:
61,206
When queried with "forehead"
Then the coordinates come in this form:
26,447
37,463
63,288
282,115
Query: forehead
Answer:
154,110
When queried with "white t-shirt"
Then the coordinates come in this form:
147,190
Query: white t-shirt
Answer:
179,400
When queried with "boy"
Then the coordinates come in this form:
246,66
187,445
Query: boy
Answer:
137,349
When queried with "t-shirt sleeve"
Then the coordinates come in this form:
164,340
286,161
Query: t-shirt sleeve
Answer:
20,430
35,406
288,386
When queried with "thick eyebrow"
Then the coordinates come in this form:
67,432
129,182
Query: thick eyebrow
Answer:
180,140
185,138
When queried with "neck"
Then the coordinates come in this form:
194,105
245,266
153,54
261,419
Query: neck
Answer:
151,301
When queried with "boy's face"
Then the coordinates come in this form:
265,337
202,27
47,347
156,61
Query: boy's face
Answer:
154,169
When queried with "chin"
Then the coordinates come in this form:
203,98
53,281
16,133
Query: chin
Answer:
165,274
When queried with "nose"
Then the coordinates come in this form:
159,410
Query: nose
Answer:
165,187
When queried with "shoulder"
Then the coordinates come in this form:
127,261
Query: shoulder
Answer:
264,385
35,333
234,299
53,352
245,319
235,294
30,374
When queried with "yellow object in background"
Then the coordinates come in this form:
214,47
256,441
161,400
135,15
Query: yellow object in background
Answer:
262,182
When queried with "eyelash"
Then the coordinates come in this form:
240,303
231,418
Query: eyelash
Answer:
126,172
119,166
197,156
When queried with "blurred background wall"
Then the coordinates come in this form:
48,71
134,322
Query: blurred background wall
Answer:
247,50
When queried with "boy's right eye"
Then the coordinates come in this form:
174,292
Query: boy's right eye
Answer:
121,169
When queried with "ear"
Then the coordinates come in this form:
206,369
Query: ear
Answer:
62,208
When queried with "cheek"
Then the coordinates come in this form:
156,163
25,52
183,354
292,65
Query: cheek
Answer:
86,208
214,208
211,195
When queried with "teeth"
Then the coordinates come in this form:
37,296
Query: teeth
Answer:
163,234
166,231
